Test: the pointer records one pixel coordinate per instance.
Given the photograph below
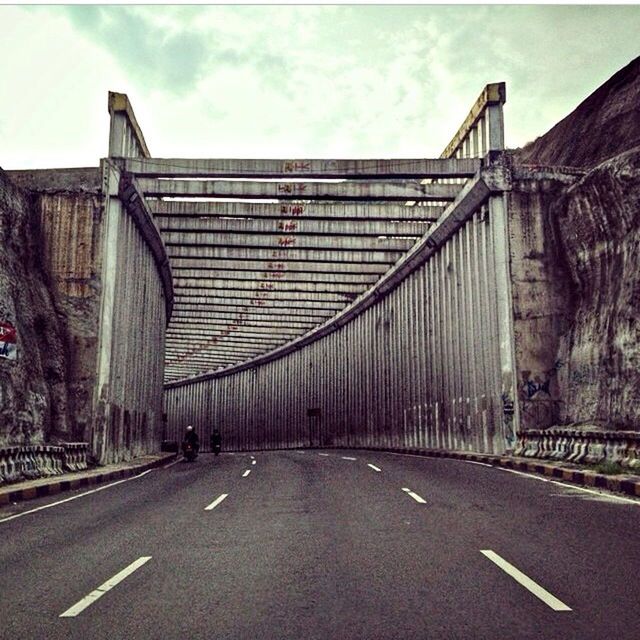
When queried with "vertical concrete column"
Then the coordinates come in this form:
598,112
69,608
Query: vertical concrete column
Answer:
113,212
504,309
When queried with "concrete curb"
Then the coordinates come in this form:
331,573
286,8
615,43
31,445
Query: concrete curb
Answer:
55,485
629,485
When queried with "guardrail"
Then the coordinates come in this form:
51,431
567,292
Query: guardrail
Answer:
581,446
36,461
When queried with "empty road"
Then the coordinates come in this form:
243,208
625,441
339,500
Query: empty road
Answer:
322,544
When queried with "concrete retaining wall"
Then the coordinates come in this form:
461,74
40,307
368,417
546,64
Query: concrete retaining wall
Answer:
88,370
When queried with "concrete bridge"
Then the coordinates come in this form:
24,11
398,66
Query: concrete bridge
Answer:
394,303
358,302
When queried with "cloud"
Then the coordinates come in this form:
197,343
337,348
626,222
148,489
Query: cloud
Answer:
151,54
287,81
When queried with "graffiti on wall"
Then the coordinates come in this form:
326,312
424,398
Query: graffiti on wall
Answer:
534,385
8,348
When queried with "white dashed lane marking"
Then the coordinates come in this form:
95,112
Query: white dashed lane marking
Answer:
216,502
549,599
80,606
373,466
415,496
246,473
347,458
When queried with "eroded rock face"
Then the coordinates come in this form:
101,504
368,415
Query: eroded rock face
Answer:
33,392
598,227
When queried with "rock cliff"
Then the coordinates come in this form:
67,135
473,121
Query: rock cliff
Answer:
598,229
595,227
33,390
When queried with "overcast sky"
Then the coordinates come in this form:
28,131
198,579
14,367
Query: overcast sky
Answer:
293,81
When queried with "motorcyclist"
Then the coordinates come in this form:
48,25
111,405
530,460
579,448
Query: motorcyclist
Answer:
191,437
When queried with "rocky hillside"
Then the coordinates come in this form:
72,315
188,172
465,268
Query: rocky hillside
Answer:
598,224
33,389
604,125
595,226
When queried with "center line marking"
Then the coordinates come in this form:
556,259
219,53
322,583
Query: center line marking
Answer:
347,458
415,496
526,582
80,606
373,466
216,502
246,473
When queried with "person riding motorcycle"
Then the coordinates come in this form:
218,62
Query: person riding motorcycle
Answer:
191,437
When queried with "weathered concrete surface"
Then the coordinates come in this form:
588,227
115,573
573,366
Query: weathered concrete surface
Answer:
605,124
575,272
599,230
33,388
68,212
541,292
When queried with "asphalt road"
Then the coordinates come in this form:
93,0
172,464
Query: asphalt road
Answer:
314,545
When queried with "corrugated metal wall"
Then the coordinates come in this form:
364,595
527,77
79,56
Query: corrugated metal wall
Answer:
129,417
421,368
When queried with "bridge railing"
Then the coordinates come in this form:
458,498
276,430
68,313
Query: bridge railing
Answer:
483,129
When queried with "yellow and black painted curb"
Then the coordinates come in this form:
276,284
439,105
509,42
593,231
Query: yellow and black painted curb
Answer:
54,486
629,485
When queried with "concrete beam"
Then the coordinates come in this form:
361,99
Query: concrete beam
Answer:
182,266
186,287
214,310
246,341
202,276
186,349
245,332
224,323
216,341
283,254
269,305
400,191
248,338
284,318
221,360
258,296
293,226
307,210
317,168
286,241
